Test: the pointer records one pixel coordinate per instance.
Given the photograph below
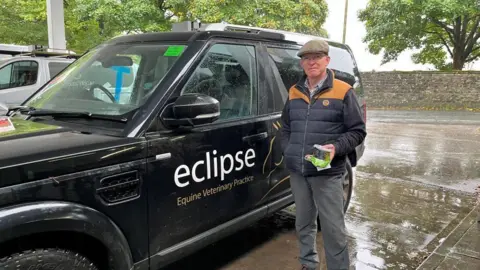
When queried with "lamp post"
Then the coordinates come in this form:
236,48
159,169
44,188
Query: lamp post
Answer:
345,21
56,25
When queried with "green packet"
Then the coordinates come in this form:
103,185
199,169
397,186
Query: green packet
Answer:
320,157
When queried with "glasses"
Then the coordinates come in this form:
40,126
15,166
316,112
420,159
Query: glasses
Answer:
314,57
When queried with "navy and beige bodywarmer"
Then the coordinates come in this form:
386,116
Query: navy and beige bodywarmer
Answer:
331,116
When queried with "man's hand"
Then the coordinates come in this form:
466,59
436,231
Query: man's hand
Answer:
330,147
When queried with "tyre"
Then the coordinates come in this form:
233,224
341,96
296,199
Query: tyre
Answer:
347,190
46,259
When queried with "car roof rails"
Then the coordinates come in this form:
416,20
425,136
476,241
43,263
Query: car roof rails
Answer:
35,51
260,32
265,32
186,26
49,54
10,49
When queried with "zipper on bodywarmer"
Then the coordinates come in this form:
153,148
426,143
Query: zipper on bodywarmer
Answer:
311,102
304,139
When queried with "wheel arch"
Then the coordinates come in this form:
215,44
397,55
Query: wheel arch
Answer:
48,217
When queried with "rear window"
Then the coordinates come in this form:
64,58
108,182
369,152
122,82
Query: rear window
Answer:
56,67
290,71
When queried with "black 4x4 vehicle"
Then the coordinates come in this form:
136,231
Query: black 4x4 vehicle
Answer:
150,147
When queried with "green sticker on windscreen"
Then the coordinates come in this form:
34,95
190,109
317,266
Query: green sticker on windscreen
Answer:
174,51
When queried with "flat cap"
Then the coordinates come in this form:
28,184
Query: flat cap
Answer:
314,46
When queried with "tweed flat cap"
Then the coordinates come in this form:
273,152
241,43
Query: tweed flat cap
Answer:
314,46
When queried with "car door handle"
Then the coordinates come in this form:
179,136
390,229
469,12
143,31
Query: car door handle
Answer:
255,137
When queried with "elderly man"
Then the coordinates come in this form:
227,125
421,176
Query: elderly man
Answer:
320,110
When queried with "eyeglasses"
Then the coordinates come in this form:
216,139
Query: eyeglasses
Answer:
314,57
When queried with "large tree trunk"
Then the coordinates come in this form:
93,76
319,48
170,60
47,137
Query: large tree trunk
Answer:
461,42
464,40
458,60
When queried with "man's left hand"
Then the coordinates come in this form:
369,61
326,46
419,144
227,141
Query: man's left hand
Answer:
330,147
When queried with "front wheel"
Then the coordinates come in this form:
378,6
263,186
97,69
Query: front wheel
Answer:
46,259
347,190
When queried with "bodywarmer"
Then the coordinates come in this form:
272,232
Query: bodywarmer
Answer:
331,116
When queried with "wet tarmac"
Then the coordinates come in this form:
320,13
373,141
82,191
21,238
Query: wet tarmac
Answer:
414,188
436,154
425,117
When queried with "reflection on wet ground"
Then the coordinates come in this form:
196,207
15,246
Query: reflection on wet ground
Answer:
413,186
395,224
392,225
447,155
425,117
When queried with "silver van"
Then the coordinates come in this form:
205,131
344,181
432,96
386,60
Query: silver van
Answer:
21,76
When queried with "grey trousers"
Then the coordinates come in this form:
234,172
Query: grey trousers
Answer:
322,195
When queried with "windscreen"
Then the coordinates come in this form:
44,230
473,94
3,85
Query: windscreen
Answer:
111,79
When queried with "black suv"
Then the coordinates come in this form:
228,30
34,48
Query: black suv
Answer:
150,147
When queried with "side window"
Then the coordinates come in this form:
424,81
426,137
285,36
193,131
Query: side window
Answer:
5,75
287,70
18,74
55,67
342,63
288,65
228,73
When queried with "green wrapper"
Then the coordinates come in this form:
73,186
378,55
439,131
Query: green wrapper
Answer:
320,163
320,157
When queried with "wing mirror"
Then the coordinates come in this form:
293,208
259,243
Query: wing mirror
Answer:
191,110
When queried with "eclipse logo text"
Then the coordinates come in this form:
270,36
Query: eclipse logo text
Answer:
227,165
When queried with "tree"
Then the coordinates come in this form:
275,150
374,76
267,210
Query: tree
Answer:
25,22
437,27
90,22
291,15
18,26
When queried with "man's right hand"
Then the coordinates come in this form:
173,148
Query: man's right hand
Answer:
330,147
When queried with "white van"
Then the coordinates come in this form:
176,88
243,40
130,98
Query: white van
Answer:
20,77
24,69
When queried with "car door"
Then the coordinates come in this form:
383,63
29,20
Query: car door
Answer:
206,175
282,71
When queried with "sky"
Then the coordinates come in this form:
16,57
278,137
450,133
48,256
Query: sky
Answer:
356,31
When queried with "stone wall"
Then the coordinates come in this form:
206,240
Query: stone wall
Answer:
422,89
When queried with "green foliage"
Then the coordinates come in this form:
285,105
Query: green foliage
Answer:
90,22
439,28
290,15
19,26
25,22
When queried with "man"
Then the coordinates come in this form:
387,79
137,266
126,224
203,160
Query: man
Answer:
320,110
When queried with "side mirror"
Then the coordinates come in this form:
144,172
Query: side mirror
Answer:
191,110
